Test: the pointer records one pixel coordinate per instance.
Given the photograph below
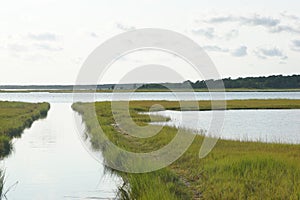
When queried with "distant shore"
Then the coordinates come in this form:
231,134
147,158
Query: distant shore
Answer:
153,90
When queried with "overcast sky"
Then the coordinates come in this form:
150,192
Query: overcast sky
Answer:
46,42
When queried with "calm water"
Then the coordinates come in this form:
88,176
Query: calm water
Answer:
245,125
49,162
68,97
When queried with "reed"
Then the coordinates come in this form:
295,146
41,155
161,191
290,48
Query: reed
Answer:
14,118
232,170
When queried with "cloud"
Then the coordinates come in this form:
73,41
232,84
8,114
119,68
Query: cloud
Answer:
289,16
285,28
124,27
221,19
254,20
208,33
258,20
215,48
269,52
282,23
295,45
17,47
282,62
43,36
48,47
232,34
240,52
94,35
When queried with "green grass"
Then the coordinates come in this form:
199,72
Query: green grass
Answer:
230,104
14,118
233,170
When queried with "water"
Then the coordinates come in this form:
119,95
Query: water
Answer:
68,97
278,126
49,162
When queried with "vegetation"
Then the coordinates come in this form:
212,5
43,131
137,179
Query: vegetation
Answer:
230,104
264,84
270,82
14,118
278,81
233,170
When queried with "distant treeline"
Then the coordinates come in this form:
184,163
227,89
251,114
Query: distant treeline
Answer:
270,82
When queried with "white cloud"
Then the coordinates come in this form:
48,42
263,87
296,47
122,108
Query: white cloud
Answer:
215,48
274,24
43,36
287,15
240,52
258,20
232,34
295,45
270,52
17,47
124,27
93,34
285,28
208,33
47,47
253,20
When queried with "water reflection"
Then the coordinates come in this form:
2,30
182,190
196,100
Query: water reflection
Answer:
279,126
49,162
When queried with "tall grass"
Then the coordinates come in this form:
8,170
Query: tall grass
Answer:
14,118
233,170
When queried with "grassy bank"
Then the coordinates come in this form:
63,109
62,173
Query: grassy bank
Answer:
14,118
233,170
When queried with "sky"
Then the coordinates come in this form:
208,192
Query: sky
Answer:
46,42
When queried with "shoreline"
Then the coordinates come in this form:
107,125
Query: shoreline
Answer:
149,90
15,118
230,170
